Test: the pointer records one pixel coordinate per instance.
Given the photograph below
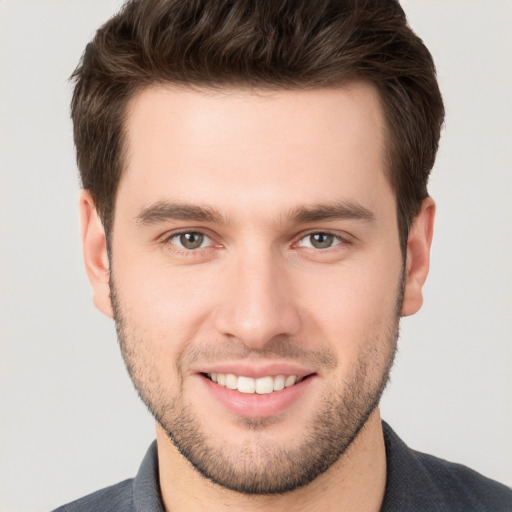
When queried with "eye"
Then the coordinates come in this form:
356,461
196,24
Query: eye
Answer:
190,240
320,240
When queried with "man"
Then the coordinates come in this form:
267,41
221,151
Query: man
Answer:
256,220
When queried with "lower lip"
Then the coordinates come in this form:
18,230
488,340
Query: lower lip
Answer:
253,405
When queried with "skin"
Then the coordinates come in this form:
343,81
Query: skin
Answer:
257,293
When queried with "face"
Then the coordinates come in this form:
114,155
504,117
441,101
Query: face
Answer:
257,275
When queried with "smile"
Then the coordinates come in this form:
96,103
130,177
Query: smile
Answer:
261,386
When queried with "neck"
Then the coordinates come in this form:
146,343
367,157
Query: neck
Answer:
355,482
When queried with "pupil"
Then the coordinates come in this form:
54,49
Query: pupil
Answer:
321,240
191,240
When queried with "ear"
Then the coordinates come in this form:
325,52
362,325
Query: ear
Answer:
418,257
94,243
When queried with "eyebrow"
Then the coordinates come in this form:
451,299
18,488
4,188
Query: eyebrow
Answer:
346,210
164,211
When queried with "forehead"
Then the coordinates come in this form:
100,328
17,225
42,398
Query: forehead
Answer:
223,148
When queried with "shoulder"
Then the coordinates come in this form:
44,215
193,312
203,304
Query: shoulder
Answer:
421,482
460,485
139,493
116,498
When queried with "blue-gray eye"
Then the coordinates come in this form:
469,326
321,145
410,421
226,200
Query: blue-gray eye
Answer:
190,240
320,240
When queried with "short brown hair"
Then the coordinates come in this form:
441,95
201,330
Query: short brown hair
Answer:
284,44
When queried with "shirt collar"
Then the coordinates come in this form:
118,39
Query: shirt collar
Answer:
409,486
146,486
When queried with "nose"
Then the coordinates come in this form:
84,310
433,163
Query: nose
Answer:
257,302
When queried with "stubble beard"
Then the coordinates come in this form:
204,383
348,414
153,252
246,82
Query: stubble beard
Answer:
260,468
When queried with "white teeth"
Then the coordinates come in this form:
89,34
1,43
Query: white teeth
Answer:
246,385
262,386
231,381
279,382
290,381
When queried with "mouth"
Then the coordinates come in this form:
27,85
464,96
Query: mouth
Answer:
249,385
257,390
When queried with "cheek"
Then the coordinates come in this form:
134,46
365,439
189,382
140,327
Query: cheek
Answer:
353,302
166,305
357,318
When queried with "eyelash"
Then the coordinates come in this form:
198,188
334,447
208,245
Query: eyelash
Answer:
166,241
182,251
337,238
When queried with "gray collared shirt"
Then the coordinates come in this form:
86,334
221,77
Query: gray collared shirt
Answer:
416,482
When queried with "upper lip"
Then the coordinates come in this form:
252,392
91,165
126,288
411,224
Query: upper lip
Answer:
256,370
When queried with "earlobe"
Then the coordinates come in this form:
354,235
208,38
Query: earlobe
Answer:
418,257
94,244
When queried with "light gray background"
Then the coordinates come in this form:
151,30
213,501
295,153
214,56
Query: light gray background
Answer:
70,420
